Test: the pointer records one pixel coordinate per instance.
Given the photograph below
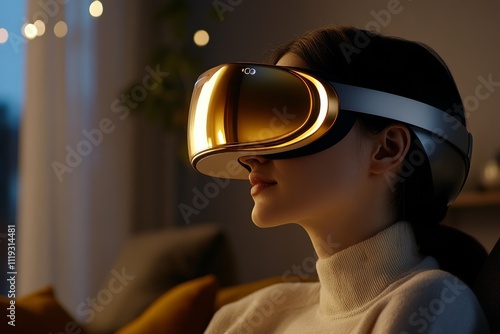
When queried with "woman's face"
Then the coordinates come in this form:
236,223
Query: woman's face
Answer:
313,189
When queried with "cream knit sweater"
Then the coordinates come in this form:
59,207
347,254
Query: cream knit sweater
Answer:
381,285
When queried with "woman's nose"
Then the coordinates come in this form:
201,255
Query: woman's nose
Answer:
250,162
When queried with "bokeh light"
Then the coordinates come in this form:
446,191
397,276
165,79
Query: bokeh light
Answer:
96,9
60,29
29,30
201,38
4,35
40,27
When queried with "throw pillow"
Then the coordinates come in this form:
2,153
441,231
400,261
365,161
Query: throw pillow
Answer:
185,309
155,262
38,312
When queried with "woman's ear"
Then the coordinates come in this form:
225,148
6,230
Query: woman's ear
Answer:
392,144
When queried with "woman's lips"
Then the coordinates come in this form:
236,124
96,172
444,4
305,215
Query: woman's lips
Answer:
259,183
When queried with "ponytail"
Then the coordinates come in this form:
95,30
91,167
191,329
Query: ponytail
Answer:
455,251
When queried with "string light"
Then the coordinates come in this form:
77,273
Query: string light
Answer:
40,27
29,30
60,29
201,38
96,8
4,35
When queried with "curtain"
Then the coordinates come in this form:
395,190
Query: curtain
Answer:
77,145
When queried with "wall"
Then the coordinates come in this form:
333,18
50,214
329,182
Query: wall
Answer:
464,33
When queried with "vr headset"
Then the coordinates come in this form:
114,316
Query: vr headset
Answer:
244,109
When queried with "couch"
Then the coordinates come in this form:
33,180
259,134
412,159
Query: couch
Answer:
166,281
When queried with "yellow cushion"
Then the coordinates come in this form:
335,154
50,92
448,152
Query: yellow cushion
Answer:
186,308
38,312
159,260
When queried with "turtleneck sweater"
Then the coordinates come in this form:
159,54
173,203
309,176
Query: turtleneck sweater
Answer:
380,285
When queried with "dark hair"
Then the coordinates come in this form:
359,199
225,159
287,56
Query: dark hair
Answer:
394,65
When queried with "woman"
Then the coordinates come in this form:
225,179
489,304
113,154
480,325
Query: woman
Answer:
374,180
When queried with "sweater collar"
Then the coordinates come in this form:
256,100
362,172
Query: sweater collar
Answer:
356,275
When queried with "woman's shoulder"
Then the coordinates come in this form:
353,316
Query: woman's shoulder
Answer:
278,296
434,299
265,306
281,293
433,278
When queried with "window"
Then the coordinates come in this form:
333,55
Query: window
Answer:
12,48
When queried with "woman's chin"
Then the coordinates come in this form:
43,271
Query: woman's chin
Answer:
264,221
